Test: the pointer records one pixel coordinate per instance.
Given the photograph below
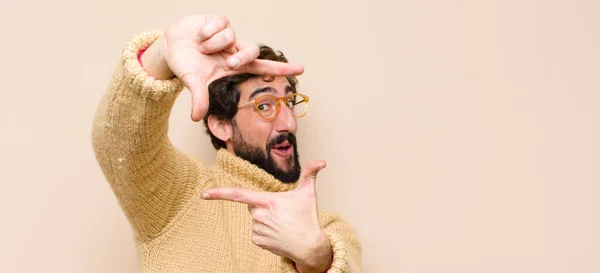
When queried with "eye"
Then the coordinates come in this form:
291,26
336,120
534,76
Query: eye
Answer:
290,104
264,107
294,100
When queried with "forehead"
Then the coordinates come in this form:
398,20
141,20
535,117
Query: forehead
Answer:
278,84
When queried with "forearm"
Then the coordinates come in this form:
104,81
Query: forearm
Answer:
155,63
132,118
130,140
343,244
317,258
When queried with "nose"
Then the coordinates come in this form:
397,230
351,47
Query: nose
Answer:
285,121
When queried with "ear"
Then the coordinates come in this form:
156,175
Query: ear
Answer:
223,130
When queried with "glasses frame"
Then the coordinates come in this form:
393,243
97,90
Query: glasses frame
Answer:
278,101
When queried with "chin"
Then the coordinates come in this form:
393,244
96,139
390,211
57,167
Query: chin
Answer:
284,166
288,168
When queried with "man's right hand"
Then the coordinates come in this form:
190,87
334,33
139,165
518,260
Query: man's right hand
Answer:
199,49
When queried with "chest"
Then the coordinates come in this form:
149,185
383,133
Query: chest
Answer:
210,236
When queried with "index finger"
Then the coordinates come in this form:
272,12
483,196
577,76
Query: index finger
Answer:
243,196
272,68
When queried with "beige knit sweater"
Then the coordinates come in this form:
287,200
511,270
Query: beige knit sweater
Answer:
158,187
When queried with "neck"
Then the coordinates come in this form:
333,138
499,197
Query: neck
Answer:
248,175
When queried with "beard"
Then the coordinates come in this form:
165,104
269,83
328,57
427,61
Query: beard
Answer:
264,160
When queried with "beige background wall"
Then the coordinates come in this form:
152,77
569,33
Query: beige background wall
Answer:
461,136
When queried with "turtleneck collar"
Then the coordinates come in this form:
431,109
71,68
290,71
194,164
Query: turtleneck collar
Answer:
248,174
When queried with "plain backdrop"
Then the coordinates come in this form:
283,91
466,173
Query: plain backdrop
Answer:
461,136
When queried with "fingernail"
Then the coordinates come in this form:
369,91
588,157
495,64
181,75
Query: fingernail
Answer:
201,48
205,195
234,62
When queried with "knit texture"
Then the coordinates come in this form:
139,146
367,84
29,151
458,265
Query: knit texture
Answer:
158,187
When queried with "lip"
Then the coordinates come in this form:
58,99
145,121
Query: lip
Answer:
283,152
284,143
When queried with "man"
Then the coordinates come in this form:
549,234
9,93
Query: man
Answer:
255,211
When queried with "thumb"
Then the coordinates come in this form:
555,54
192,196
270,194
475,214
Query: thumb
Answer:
308,177
199,96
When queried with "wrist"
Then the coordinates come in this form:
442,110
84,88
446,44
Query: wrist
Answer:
154,62
317,258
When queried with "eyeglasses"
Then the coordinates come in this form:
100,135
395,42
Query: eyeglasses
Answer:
268,106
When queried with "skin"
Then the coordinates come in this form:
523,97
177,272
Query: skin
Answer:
200,49
257,131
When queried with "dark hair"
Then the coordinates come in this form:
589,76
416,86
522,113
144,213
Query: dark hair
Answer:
224,95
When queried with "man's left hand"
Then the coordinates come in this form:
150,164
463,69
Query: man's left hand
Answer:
286,223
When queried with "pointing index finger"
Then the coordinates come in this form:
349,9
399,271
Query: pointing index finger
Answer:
272,68
243,196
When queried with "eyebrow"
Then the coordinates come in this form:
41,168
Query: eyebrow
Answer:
268,89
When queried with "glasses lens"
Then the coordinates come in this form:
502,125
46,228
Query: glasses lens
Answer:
298,105
266,106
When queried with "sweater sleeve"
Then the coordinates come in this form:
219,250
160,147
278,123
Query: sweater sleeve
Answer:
151,179
345,245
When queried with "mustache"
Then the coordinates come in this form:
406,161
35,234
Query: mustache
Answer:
291,138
